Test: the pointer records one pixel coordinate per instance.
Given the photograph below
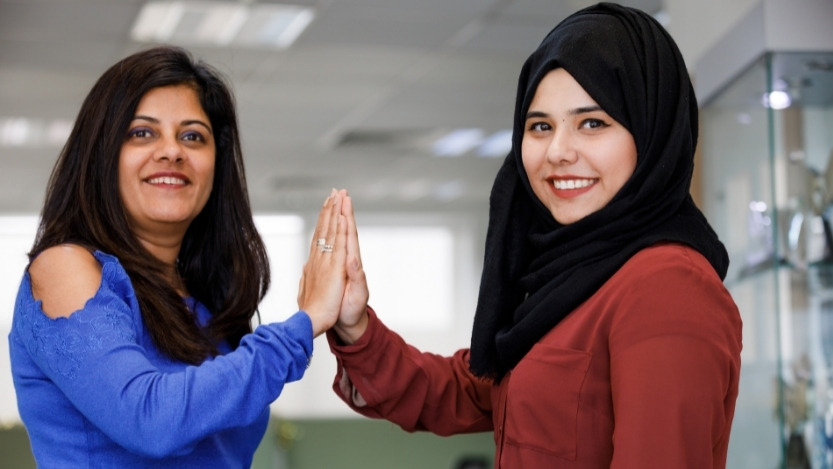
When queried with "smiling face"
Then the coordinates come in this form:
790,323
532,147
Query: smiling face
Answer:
166,164
575,155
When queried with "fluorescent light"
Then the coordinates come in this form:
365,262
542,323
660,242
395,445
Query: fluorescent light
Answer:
461,141
14,132
458,142
221,23
157,21
303,17
30,133
496,145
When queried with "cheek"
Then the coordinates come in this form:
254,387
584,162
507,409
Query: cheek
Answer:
620,167
530,157
628,160
123,172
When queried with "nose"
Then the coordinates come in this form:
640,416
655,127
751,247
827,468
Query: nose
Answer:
169,148
561,148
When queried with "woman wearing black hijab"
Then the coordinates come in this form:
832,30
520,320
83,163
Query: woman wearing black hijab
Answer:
603,335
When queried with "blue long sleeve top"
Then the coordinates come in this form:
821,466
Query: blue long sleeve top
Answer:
94,391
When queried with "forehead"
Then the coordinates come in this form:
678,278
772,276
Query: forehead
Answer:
182,98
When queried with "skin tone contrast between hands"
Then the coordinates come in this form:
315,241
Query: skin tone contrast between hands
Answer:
349,317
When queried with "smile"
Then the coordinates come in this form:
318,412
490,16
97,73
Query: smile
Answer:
573,183
166,180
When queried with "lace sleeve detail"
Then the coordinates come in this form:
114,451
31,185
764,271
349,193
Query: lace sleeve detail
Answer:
104,363
62,344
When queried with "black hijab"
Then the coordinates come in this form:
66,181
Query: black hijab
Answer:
536,271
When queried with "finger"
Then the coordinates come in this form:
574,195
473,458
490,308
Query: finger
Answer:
321,226
353,252
340,252
332,222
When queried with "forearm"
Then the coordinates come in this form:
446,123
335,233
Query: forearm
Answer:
120,390
380,376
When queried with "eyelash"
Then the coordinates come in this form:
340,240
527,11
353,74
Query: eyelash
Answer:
586,123
598,123
134,133
536,127
188,135
199,136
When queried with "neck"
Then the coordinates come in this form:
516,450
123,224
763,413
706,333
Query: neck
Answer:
166,249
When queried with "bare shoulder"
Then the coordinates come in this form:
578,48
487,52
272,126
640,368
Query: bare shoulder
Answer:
63,278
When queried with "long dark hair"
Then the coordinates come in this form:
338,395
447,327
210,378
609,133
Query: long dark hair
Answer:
222,260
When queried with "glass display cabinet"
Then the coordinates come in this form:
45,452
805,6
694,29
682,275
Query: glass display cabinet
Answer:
766,180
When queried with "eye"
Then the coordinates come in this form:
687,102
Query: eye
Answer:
538,127
593,124
193,136
139,132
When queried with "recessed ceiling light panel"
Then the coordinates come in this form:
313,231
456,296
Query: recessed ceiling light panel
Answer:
221,24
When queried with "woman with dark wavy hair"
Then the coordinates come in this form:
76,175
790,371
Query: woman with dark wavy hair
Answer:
132,341
603,335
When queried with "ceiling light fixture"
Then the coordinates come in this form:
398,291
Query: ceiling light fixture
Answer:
221,24
461,141
496,145
157,21
33,133
458,142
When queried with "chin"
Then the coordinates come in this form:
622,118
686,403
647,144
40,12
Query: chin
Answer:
568,219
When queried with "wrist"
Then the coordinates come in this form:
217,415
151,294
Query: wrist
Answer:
350,334
319,322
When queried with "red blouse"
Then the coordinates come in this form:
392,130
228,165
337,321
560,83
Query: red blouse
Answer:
644,374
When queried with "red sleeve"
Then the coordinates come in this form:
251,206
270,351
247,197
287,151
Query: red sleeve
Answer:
675,360
381,376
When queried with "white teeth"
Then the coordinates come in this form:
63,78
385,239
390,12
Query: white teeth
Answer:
166,180
573,183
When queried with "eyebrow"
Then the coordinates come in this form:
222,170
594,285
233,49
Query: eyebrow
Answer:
572,112
185,122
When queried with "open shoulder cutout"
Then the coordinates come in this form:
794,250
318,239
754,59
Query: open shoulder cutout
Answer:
64,278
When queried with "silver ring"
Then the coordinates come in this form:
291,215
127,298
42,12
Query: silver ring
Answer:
320,242
326,248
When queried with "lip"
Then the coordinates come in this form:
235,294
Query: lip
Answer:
167,179
565,193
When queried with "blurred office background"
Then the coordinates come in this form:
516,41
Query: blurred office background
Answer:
408,105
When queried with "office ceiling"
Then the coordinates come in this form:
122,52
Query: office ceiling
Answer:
356,102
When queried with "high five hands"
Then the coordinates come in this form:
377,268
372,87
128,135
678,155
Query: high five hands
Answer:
333,288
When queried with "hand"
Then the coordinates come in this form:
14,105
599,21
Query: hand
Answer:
352,319
324,279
